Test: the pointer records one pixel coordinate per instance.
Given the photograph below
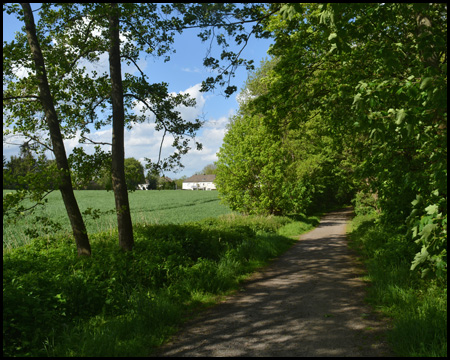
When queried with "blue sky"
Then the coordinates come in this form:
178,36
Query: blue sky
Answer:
184,73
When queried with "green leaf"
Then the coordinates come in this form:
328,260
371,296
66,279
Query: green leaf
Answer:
427,230
409,128
426,82
417,201
332,36
400,116
432,209
333,47
420,258
356,98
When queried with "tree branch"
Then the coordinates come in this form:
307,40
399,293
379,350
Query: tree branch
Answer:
135,64
38,202
95,142
21,97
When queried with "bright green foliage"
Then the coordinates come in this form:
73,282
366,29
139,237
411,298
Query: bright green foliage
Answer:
270,163
430,231
87,168
250,168
134,173
400,106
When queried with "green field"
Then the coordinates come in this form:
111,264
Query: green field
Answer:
150,207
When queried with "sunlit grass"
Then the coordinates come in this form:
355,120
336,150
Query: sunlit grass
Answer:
418,307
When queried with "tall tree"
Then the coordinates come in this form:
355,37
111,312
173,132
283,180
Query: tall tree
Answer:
46,100
271,163
209,169
125,226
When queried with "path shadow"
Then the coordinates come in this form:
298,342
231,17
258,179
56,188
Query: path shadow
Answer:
309,302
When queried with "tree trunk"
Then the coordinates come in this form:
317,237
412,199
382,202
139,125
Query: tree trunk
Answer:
124,223
70,202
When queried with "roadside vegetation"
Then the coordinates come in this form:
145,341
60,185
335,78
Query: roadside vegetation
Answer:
123,304
416,307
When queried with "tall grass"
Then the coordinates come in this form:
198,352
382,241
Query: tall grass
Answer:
418,307
152,207
125,304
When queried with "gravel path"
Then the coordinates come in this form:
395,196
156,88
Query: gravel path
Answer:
308,302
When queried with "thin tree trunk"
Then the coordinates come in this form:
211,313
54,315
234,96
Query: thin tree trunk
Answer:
70,202
126,240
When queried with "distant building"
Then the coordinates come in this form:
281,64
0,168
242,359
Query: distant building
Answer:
200,182
143,186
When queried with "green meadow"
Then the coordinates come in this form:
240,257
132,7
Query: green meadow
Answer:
147,207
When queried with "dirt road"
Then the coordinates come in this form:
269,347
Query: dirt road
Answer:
309,302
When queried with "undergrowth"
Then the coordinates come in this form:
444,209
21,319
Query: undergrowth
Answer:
125,304
417,307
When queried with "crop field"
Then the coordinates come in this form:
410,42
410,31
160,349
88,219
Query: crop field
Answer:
149,207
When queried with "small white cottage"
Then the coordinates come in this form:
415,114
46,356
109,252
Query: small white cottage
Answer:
200,182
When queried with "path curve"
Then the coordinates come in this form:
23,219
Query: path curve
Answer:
308,302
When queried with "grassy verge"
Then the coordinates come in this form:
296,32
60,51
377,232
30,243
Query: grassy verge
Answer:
417,307
126,304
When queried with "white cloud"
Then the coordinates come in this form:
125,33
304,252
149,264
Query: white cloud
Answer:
217,123
192,113
186,113
191,70
244,96
144,141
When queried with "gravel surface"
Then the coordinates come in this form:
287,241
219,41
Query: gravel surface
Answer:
308,302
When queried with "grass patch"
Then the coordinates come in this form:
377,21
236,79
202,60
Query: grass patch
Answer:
151,207
417,307
125,304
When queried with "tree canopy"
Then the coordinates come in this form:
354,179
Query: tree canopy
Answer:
373,77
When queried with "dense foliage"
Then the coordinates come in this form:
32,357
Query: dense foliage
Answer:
279,169
374,79
351,106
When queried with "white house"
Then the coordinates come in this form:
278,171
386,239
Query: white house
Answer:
200,182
